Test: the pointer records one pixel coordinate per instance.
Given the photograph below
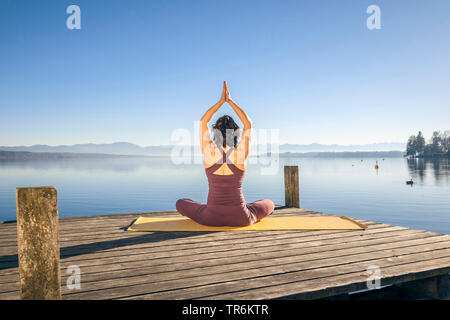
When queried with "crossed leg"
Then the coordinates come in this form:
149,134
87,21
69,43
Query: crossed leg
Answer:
190,208
261,208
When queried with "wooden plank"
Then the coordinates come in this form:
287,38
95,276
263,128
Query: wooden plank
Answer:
123,221
189,255
10,296
276,243
98,272
92,265
113,217
160,235
177,236
320,287
225,247
216,234
5,275
313,283
118,264
162,239
258,269
91,273
101,229
260,246
210,267
163,212
112,263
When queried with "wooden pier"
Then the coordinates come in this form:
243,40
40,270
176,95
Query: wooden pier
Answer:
117,264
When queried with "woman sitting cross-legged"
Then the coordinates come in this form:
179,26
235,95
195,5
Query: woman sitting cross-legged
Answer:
225,163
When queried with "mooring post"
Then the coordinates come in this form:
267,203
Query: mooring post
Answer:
291,189
38,243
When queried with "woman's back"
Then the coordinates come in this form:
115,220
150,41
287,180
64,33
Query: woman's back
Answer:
225,189
226,205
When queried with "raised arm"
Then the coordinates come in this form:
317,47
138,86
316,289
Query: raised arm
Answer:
246,135
204,132
241,113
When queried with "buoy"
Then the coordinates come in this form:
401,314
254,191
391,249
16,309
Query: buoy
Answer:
410,182
376,165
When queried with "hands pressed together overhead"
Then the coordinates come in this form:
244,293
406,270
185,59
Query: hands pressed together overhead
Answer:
210,113
225,93
241,113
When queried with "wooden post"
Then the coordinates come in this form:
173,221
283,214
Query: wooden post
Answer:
38,243
291,189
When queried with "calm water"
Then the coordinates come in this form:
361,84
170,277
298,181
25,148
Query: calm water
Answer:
339,186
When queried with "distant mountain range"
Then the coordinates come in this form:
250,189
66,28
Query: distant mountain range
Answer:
344,154
26,155
316,147
117,148
126,148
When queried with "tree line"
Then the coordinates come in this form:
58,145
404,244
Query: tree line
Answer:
438,146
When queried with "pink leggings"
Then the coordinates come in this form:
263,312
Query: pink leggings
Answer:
225,215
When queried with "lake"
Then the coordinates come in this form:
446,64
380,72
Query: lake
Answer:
341,186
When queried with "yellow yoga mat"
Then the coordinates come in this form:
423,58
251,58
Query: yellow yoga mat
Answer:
269,223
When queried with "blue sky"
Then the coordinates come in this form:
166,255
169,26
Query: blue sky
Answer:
137,70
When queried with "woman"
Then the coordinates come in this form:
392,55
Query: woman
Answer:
225,163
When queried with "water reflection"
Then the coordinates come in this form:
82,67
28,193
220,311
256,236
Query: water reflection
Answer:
422,168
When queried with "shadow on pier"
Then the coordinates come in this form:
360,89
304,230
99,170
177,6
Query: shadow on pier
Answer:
11,261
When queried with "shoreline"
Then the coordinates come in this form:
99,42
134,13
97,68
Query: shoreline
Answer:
29,155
